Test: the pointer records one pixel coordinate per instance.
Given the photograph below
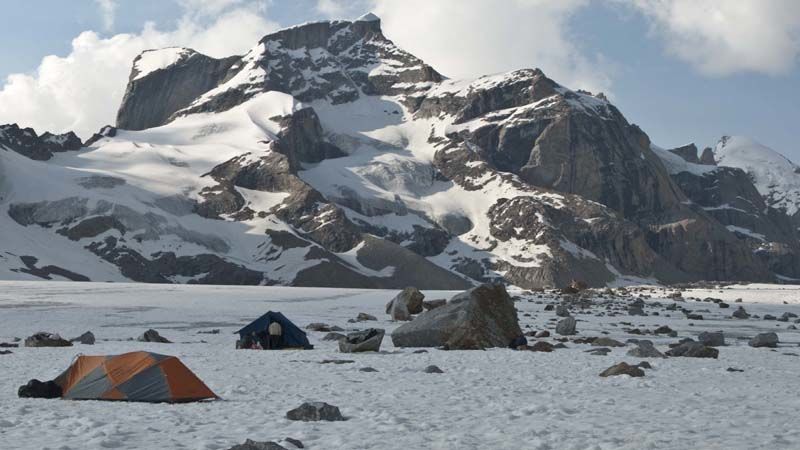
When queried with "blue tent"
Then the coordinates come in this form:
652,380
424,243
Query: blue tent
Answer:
293,337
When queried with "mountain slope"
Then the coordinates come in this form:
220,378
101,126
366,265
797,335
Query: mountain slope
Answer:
328,156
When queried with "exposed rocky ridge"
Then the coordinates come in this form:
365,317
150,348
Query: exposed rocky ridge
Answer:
26,142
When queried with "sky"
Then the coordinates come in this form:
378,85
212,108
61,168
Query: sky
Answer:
683,70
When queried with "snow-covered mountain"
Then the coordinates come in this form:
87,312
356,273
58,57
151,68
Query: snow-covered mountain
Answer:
328,156
774,175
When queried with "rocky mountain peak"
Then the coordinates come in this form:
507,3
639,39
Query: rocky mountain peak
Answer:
27,142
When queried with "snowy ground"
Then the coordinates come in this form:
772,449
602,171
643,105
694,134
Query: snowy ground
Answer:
498,399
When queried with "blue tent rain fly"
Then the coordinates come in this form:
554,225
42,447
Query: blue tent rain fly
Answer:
293,337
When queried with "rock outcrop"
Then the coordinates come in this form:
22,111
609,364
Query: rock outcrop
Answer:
481,317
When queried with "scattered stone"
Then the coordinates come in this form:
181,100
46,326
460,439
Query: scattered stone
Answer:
255,445
764,340
740,313
433,369
692,349
39,389
601,351
549,307
562,311
712,338
566,326
322,327
152,335
622,368
45,339
336,361
368,340
645,349
315,411
416,352
481,317
296,442
8,345
634,310
333,336
769,317
732,369
406,303
644,365
367,369
214,331
607,342
5,352
86,338
691,316
663,329
542,334
541,346
433,304
364,317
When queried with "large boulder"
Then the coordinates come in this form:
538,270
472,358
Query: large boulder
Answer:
406,303
368,340
44,339
764,340
481,317
645,349
566,326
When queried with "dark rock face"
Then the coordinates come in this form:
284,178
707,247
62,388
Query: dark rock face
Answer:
152,335
687,152
481,317
85,339
728,195
26,142
151,100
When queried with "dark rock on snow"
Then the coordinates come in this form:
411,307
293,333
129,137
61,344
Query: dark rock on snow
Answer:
368,340
152,335
622,368
481,317
764,340
44,339
315,411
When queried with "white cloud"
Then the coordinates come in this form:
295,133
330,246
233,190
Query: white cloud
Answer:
83,90
469,38
107,10
721,38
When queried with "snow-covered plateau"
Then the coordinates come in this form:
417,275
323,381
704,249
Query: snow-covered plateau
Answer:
498,398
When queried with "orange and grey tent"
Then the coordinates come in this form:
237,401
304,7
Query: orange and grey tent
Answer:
133,377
